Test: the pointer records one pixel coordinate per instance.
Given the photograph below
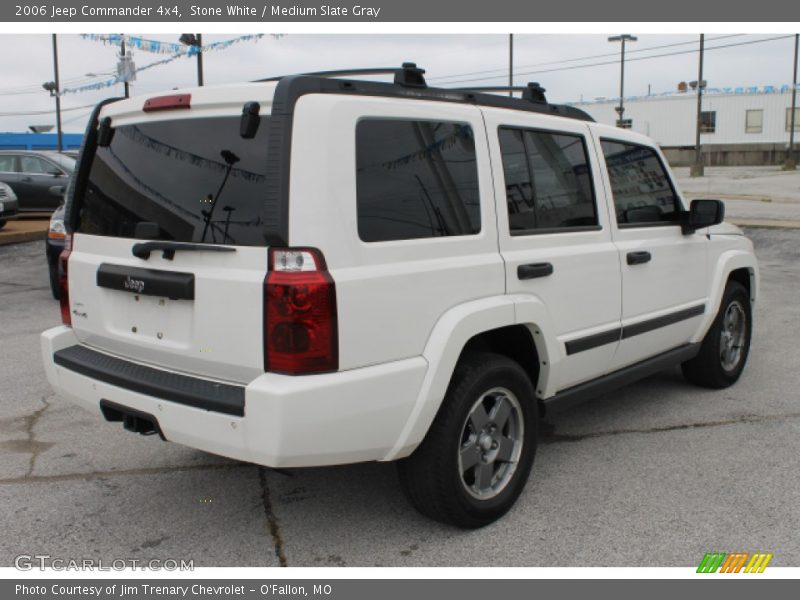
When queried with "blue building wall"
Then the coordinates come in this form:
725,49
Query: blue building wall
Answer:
39,141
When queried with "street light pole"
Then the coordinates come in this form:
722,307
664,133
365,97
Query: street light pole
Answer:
195,40
790,164
625,37
57,93
698,168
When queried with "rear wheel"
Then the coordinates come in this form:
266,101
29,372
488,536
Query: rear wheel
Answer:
477,455
55,288
726,346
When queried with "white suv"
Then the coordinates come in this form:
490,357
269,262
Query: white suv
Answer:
317,271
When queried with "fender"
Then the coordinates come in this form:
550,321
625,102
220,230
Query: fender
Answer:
532,312
448,338
728,261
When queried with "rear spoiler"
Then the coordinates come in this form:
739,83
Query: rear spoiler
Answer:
77,183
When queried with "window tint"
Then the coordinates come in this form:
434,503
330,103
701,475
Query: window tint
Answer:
7,164
197,180
34,164
548,181
415,179
642,191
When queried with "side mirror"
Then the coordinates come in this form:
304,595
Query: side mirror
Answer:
703,213
55,173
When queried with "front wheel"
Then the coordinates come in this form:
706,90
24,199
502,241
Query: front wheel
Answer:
726,346
477,455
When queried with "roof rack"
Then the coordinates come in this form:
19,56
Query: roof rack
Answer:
533,92
410,76
336,73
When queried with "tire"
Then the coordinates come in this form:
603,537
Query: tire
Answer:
435,478
3,223
725,348
55,288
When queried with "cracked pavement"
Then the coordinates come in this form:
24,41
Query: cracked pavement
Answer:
655,474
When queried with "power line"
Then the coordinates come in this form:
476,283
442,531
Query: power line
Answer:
37,89
503,70
616,62
31,113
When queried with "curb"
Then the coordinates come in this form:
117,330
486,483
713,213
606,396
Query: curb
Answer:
766,223
16,237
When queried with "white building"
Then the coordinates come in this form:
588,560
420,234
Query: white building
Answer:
740,125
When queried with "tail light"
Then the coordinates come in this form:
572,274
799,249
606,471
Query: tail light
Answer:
300,323
63,281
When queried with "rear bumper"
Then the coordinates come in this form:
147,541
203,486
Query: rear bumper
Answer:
328,419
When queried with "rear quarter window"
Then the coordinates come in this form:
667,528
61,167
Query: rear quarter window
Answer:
415,179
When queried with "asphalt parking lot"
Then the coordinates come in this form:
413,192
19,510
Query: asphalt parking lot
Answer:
656,474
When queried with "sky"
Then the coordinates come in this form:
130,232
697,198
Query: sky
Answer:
558,62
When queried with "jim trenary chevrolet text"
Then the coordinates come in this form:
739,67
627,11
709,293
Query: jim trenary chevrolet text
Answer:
315,270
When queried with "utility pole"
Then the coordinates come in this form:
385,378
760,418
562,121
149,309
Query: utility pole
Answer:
625,37
510,64
57,93
200,59
790,164
122,55
698,169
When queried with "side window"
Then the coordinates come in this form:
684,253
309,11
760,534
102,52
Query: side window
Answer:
548,181
415,179
7,163
642,191
34,164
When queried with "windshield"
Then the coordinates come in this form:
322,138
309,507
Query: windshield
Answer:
188,180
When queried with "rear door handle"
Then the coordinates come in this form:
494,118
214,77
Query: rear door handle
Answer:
639,258
27,179
534,270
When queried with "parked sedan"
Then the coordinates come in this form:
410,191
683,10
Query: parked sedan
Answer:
8,204
38,178
53,247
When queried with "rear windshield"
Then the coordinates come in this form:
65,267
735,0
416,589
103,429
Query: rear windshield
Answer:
188,180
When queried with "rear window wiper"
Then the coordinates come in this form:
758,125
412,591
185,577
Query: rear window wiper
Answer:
143,249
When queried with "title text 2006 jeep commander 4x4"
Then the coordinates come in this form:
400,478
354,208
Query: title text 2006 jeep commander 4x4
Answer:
315,270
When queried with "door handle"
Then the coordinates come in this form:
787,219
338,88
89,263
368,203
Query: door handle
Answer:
534,270
27,179
639,258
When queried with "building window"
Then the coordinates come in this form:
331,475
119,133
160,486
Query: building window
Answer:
708,121
796,119
415,179
548,181
754,121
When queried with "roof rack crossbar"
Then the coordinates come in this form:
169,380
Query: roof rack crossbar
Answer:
533,92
